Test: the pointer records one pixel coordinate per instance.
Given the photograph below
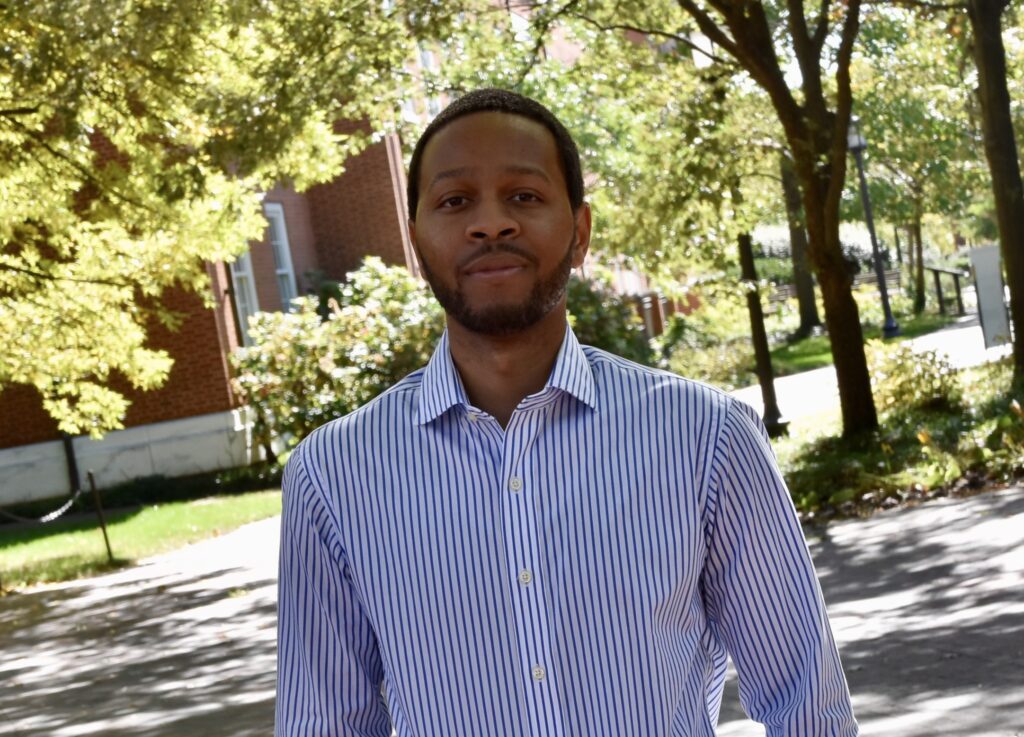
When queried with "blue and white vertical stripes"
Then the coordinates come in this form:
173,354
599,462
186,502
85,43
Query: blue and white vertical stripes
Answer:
582,572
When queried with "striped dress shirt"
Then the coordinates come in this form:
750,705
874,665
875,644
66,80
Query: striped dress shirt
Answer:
583,571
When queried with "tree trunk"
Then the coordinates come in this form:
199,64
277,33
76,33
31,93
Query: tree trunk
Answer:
1001,152
842,319
802,279
917,247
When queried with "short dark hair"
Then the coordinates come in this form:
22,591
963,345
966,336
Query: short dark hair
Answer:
492,99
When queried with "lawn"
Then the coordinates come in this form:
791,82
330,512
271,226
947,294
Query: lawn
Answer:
64,550
815,352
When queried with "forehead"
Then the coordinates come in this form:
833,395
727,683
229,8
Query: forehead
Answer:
490,140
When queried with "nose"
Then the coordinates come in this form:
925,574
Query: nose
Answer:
492,221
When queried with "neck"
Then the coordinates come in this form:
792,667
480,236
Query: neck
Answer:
498,372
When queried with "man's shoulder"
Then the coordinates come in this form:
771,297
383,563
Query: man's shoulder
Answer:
611,368
395,405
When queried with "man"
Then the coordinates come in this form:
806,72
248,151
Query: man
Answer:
530,537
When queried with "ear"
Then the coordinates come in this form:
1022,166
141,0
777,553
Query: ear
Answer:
582,226
410,226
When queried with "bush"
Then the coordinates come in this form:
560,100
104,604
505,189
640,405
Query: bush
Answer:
904,379
303,371
711,344
608,321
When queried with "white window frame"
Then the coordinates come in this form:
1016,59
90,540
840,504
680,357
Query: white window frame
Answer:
244,287
280,247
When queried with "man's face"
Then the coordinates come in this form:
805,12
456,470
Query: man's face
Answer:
494,231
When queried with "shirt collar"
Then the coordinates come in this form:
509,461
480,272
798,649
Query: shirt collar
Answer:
441,387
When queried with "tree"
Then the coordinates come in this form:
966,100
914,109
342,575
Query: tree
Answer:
1003,159
915,107
135,139
803,282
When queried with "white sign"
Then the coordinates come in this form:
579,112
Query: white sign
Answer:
988,284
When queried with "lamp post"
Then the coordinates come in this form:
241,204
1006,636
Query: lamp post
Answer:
857,145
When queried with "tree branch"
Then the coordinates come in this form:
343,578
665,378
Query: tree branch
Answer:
83,170
542,30
711,29
808,57
923,4
52,277
844,104
821,27
654,32
11,112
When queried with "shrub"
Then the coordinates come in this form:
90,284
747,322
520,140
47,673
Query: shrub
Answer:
711,344
303,370
606,320
904,379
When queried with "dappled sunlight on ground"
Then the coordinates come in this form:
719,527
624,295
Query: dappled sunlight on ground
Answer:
181,645
926,606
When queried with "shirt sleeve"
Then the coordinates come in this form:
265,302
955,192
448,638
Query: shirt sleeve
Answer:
329,670
762,595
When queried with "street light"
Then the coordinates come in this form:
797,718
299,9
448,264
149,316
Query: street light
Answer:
857,144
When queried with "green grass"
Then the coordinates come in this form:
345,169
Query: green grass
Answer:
61,551
815,352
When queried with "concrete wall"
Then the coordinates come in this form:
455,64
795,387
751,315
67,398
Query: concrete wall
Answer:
180,447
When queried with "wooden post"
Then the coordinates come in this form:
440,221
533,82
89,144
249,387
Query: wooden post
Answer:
959,297
773,421
938,292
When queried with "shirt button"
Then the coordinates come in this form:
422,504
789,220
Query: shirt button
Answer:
515,483
472,416
525,577
539,673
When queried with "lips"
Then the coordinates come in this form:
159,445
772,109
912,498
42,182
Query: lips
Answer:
498,264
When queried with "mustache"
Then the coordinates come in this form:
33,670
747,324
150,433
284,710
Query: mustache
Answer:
498,247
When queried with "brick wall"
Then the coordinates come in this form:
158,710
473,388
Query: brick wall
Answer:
362,212
197,385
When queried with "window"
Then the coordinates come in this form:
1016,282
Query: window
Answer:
278,236
245,294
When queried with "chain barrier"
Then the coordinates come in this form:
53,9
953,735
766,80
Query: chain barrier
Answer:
55,514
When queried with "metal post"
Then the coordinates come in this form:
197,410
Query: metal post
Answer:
99,513
773,421
959,297
857,144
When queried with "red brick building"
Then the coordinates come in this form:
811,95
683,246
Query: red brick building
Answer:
194,423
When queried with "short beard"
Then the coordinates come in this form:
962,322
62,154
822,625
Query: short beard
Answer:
503,320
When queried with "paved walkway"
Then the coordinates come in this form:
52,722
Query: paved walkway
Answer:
816,391
926,604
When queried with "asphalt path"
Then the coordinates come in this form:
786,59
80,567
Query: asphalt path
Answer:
816,391
926,605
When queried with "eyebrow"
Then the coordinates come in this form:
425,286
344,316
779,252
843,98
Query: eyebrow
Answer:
511,169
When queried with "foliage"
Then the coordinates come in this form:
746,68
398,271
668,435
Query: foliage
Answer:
303,371
136,138
70,549
606,320
905,379
918,453
712,343
914,98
